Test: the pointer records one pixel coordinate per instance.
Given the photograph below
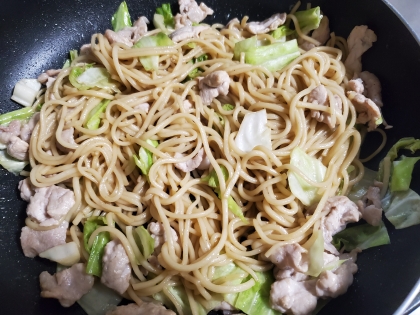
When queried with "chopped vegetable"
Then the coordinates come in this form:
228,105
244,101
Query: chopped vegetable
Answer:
20,114
404,143
243,46
212,179
94,264
144,241
25,91
309,19
275,56
152,62
93,119
66,254
281,33
166,12
256,300
121,18
93,77
234,207
145,159
253,132
361,188
12,165
73,55
91,225
229,274
196,71
313,169
361,236
99,300
402,173
316,255
404,209
228,107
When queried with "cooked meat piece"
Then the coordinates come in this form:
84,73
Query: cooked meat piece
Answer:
292,297
291,256
68,136
335,283
157,232
128,35
50,204
27,190
48,77
143,106
213,85
371,206
67,286
26,131
321,34
368,111
196,162
116,269
194,12
281,274
181,20
356,85
340,211
359,41
35,242
145,308
187,32
319,95
86,49
18,148
372,87
139,28
7,132
267,25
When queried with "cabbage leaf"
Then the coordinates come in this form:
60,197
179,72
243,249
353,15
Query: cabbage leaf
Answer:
253,132
313,169
121,18
361,236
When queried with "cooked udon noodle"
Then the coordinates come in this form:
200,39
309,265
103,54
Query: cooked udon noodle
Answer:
105,180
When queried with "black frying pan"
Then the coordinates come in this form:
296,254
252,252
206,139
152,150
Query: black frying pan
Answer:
36,35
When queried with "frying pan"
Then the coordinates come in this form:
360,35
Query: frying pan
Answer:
36,35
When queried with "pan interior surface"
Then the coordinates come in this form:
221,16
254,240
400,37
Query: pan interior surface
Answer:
37,35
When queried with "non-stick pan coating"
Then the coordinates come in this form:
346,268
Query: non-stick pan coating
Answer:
36,35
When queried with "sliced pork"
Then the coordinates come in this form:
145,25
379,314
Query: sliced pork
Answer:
128,35
157,232
67,136
267,25
10,131
27,190
319,96
368,112
143,308
213,85
293,297
18,148
143,106
67,286
191,12
34,242
48,77
340,211
371,206
26,131
291,256
116,269
321,34
200,161
359,41
187,32
334,283
48,205
372,87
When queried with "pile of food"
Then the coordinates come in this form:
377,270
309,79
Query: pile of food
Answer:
192,167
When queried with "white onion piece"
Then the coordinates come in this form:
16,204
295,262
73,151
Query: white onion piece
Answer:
67,254
25,91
